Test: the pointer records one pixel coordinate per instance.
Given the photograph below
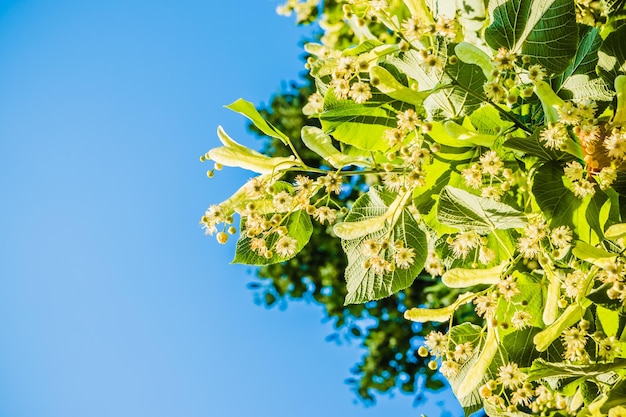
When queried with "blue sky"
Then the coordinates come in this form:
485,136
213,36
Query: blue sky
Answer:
112,301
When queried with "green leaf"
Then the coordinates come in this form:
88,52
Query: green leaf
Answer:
544,30
361,125
596,215
520,347
439,175
466,211
449,98
363,284
555,200
532,146
599,297
488,120
466,77
466,135
580,80
362,48
439,134
609,320
299,227
388,85
473,372
586,57
580,87
471,54
612,55
247,109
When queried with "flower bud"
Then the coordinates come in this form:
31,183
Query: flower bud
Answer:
222,237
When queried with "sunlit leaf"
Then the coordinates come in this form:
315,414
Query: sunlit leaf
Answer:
572,315
423,315
361,125
299,227
247,109
466,211
542,369
463,278
363,284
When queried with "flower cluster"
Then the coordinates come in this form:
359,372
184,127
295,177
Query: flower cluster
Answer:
383,257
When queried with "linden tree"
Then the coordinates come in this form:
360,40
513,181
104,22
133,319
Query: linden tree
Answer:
492,139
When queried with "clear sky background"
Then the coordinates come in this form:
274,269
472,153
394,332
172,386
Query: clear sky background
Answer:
112,301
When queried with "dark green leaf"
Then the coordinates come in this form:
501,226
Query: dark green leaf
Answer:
555,200
599,297
580,80
612,55
544,30
532,146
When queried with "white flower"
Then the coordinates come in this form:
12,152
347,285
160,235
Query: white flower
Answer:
286,246
554,136
404,257
360,92
574,171
561,236
491,163
283,202
407,119
510,375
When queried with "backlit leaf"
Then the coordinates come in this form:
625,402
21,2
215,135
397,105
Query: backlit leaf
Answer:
544,30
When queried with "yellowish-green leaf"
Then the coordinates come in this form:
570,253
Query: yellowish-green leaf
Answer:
440,135
609,320
247,109
471,54
359,228
549,100
596,256
319,142
620,91
419,10
465,135
615,231
570,316
551,308
356,229
462,278
234,154
477,372
388,85
423,315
